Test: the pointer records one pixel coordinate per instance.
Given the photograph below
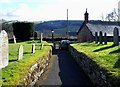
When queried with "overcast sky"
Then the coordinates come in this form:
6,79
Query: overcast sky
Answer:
43,10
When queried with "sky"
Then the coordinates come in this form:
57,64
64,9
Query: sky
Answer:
44,10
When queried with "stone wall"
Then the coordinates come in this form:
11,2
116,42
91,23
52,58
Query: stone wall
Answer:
85,35
37,70
98,75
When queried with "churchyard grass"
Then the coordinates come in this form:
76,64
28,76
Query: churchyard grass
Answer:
107,56
13,74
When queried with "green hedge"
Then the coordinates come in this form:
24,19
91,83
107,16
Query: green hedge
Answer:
23,30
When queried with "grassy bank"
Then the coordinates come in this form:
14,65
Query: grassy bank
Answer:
107,56
13,74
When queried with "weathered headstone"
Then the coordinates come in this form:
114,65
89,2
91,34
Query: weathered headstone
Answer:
41,46
1,78
0,51
96,37
116,36
105,38
20,52
14,39
0,57
41,37
33,48
100,37
35,35
4,48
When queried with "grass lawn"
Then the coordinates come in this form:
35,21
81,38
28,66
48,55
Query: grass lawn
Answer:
107,56
13,74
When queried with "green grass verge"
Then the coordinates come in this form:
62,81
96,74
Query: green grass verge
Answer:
107,56
13,74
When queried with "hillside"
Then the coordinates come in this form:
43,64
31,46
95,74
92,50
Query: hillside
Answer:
60,27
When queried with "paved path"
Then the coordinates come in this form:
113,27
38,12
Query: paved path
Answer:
63,71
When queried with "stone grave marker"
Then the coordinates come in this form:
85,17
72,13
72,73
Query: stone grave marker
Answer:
100,37
96,37
41,46
20,52
0,51
116,37
41,37
1,78
105,38
33,48
4,48
14,39
35,35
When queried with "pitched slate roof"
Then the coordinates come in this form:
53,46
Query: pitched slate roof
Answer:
97,26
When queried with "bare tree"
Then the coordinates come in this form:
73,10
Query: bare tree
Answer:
113,16
118,14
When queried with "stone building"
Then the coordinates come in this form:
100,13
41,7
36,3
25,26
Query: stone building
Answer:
87,30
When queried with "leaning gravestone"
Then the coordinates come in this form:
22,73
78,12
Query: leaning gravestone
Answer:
14,39
20,52
0,51
100,37
4,48
116,36
105,38
35,35
41,46
0,47
33,48
41,37
96,37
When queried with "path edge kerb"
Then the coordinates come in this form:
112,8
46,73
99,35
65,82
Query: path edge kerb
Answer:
98,76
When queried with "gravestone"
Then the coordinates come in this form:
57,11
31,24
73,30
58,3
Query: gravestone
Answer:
33,48
116,36
14,39
105,38
20,52
35,35
96,37
0,47
0,51
41,37
1,78
100,37
41,46
4,48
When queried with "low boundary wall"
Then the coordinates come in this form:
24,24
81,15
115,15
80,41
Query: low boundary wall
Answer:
98,76
37,70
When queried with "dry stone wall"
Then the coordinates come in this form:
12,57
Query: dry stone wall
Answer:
98,75
36,70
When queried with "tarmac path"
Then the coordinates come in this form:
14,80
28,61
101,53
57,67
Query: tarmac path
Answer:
63,71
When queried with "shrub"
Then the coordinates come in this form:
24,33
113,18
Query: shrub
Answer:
23,30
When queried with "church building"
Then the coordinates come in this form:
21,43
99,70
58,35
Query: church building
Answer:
87,30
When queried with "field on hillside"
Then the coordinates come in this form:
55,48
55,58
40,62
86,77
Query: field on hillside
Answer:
107,56
60,27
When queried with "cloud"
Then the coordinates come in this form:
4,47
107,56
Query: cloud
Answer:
22,12
55,9
5,1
